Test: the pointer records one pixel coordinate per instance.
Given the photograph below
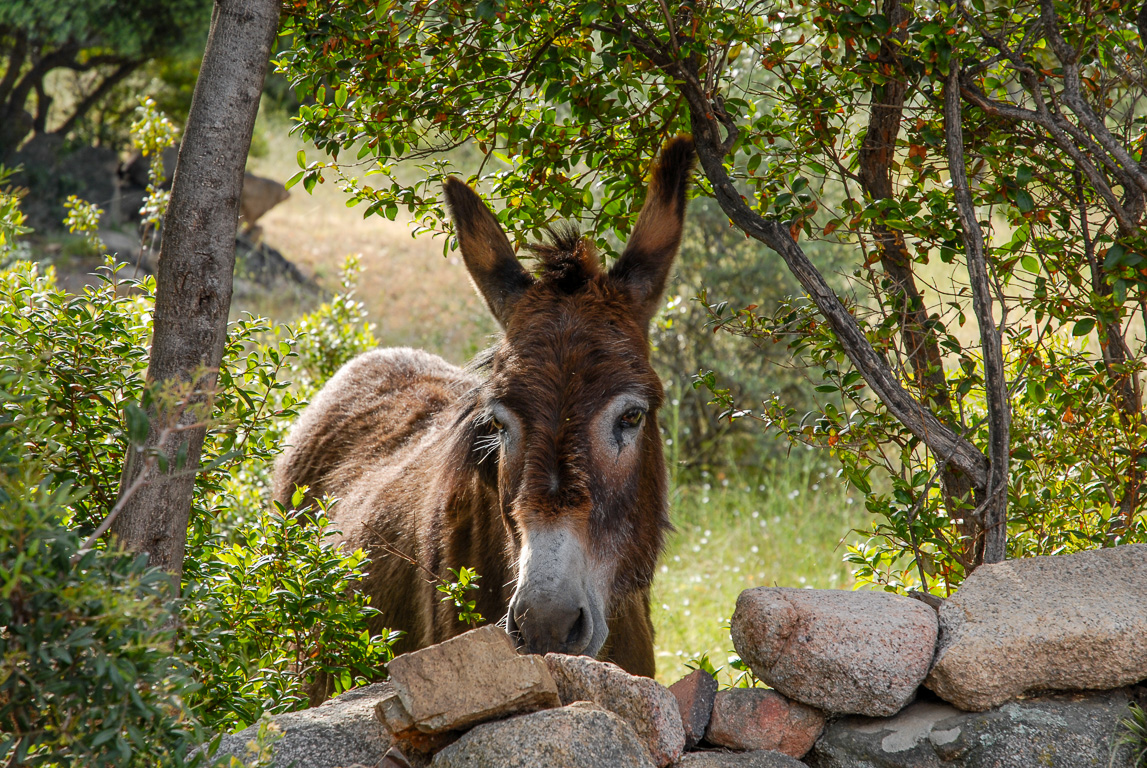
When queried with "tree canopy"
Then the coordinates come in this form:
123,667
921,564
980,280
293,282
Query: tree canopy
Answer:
110,39
980,161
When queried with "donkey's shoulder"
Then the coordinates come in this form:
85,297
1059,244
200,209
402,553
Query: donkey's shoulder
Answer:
374,406
397,368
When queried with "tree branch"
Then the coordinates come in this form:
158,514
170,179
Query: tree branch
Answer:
918,419
15,63
93,98
1073,95
1046,120
994,502
877,153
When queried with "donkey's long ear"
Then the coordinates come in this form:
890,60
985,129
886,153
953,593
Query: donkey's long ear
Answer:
489,258
645,262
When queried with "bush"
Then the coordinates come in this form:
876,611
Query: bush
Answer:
273,621
89,676
101,664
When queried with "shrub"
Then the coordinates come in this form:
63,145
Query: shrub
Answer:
88,672
101,665
272,618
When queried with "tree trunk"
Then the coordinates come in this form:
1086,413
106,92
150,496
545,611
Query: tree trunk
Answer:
916,331
193,289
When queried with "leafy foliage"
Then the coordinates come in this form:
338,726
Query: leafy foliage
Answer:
84,218
151,133
71,364
101,666
97,42
272,617
716,260
1133,737
87,672
11,217
465,581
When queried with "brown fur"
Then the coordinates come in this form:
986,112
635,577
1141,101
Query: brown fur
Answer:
407,443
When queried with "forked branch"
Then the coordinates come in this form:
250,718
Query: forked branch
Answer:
916,417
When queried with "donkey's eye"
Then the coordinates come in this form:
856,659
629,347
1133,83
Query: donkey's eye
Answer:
497,423
631,419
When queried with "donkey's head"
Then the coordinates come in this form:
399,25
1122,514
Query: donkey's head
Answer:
569,410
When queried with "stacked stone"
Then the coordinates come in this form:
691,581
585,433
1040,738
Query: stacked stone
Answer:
846,672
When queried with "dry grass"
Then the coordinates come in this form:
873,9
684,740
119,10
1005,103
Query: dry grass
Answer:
415,296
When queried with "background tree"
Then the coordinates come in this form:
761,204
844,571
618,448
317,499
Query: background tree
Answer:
843,121
193,287
106,39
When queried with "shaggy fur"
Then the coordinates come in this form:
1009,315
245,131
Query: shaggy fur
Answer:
407,442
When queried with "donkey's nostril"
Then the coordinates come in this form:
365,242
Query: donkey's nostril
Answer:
577,630
550,626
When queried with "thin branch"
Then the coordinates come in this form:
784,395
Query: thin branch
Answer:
1073,95
916,417
93,98
994,501
1056,130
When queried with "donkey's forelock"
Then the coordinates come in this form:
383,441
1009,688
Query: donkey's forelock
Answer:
568,261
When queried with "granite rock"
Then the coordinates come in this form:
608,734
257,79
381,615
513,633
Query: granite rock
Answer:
577,736
837,650
649,708
695,694
338,733
757,718
469,679
1067,622
1059,731
719,758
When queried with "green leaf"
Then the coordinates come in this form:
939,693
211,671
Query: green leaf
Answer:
138,424
1024,201
1083,327
1029,263
104,736
1114,257
1119,292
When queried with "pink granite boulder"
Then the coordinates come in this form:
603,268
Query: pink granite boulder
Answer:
840,651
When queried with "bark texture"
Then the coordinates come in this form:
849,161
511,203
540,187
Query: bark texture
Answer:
197,259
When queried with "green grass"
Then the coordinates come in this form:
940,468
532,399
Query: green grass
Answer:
780,528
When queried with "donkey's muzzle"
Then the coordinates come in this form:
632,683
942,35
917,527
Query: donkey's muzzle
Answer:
557,605
552,626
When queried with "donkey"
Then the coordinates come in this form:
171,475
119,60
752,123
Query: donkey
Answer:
539,465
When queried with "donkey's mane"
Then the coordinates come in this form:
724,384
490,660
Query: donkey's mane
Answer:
568,261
